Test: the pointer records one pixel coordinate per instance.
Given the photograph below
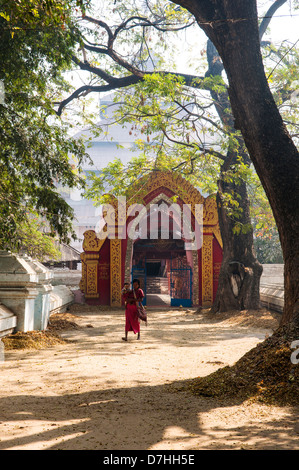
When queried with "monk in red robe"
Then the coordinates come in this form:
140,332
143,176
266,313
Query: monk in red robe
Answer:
131,298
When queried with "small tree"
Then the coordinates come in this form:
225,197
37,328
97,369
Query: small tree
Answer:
34,240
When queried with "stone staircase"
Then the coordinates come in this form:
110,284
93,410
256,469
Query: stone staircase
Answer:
157,285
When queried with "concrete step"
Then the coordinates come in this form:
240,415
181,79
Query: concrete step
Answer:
157,285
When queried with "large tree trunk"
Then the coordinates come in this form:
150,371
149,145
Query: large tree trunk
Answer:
239,278
233,29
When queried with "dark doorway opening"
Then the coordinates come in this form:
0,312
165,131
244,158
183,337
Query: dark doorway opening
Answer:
153,268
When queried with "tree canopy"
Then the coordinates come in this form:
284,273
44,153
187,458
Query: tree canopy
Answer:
37,40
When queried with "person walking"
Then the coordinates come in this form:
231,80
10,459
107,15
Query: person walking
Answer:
132,298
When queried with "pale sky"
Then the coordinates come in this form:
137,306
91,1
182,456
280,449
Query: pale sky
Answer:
283,26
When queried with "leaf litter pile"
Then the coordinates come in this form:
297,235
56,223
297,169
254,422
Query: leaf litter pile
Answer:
42,339
62,321
266,373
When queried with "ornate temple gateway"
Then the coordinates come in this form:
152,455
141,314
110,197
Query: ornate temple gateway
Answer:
143,237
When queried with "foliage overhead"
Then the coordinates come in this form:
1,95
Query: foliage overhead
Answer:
37,40
117,47
184,123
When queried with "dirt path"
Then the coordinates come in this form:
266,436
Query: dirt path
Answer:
98,392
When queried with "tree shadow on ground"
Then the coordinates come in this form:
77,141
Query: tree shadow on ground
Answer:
141,418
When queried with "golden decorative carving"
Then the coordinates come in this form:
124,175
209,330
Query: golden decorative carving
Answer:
115,273
89,281
92,279
210,213
146,185
89,256
207,271
173,181
216,231
91,242
115,212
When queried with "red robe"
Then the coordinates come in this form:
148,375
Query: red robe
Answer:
132,320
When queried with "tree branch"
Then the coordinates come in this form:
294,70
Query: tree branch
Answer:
145,22
137,75
268,16
86,89
100,23
114,83
96,70
194,145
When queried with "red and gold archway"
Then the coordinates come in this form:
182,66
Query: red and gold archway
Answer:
106,260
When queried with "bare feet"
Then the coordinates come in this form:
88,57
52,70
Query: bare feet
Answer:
124,339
